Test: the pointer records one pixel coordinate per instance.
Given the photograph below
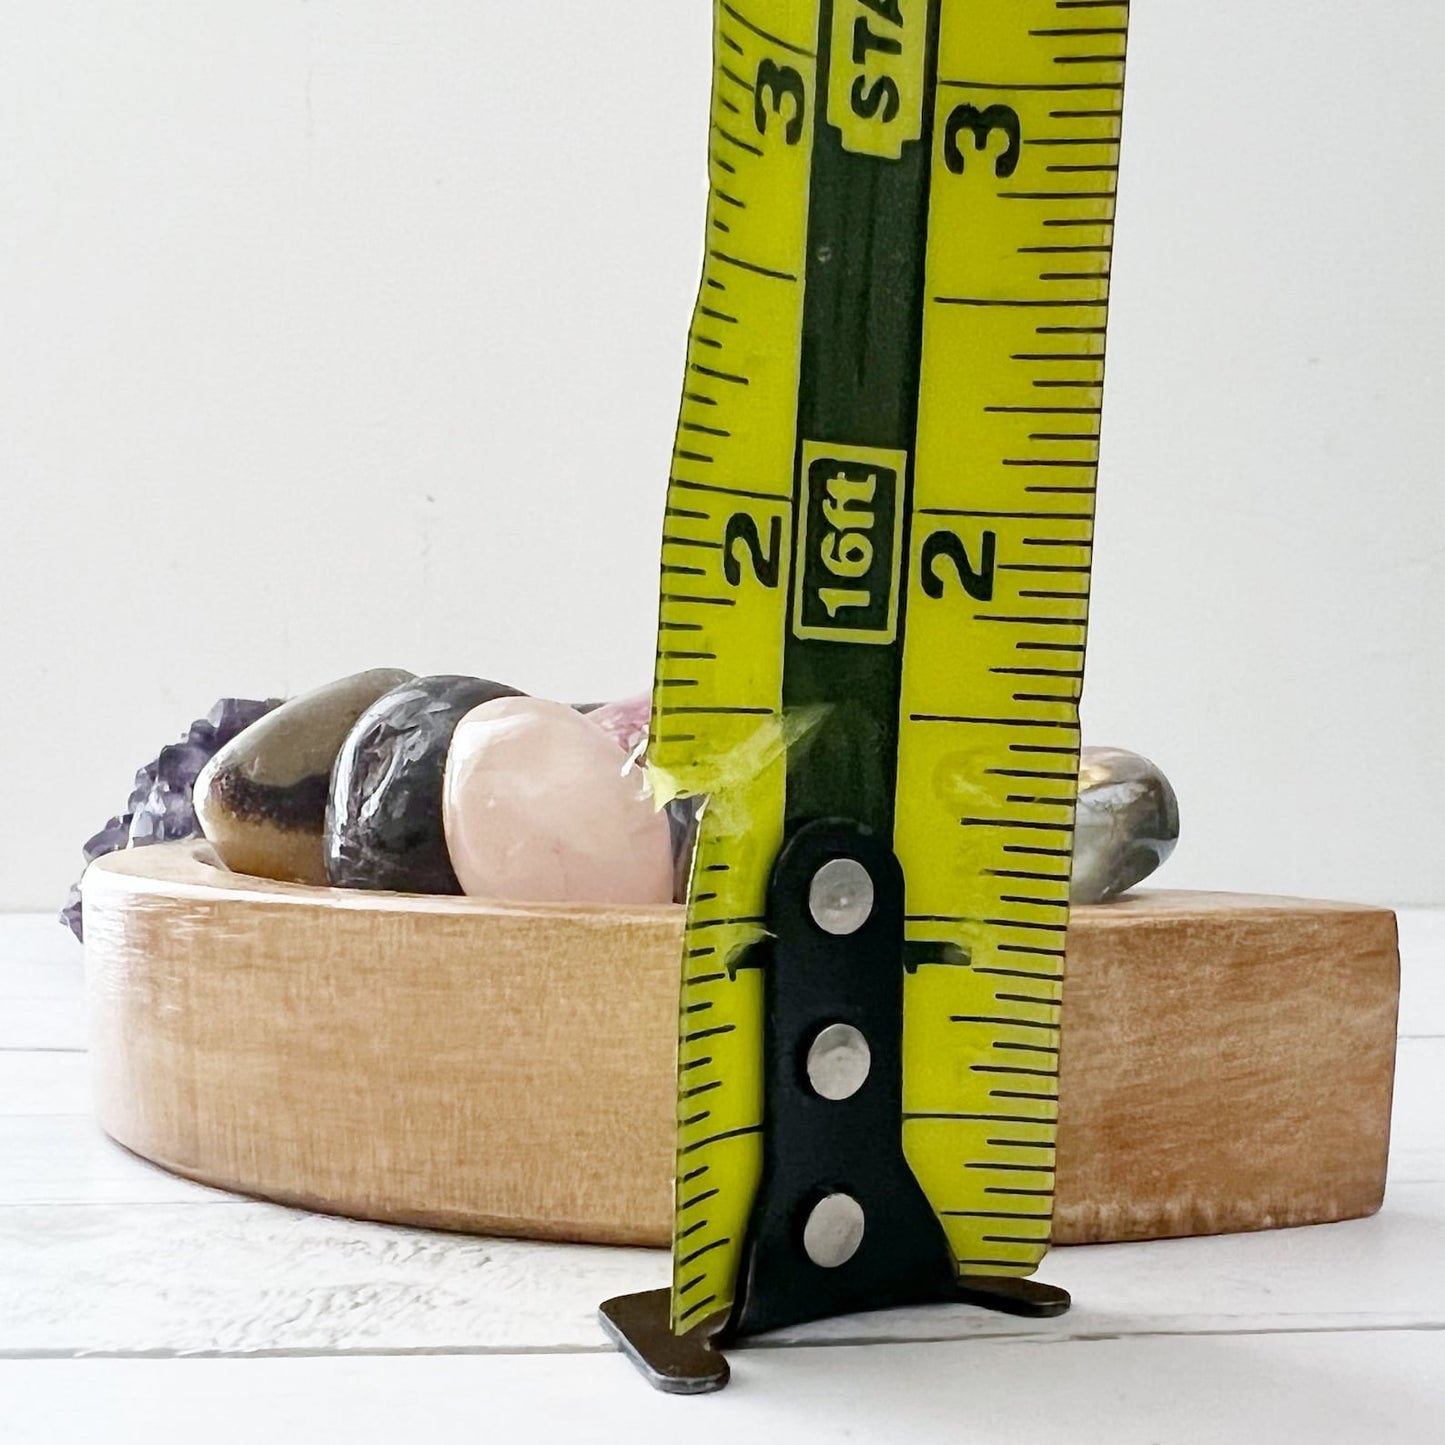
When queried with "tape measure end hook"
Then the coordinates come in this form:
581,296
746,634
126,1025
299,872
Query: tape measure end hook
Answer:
641,1326
692,1364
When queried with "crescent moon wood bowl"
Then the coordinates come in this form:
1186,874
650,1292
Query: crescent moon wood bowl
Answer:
508,1068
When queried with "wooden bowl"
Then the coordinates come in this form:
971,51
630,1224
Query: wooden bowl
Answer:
508,1069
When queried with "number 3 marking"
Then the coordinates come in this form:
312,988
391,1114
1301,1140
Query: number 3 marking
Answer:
982,123
775,82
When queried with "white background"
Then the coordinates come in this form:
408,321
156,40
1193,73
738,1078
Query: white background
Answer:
346,333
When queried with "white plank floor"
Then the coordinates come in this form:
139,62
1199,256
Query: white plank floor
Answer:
138,1307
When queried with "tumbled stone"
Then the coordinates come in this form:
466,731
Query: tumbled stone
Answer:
626,721
160,808
262,799
384,822
1126,824
542,805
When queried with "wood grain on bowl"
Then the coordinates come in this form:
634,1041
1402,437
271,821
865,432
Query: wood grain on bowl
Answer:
508,1068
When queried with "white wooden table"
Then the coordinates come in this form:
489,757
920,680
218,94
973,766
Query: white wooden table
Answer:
137,1307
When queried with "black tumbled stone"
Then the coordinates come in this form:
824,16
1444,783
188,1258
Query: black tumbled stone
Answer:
384,820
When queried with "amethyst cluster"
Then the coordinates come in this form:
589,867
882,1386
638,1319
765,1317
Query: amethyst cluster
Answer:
160,808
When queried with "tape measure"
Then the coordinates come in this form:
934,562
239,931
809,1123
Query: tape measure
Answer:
875,570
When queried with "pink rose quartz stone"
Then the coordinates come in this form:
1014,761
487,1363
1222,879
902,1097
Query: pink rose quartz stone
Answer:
627,721
541,805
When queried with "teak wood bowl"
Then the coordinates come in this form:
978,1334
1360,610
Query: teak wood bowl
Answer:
507,1068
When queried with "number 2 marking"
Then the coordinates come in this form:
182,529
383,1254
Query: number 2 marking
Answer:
763,565
977,582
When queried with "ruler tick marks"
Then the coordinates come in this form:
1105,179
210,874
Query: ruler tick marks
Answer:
1026,923
740,144
1057,303
998,85
1057,195
1009,1168
752,266
945,1116
1026,998
693,1309
692,486
1028,1048
704,1249
1021,516
763,34
1090,30
1046,411
727,1134
1014,1069
720,711
690,600
1001,722
1018,823
1011,620
728,376
1025,873
994,1214
692,1038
